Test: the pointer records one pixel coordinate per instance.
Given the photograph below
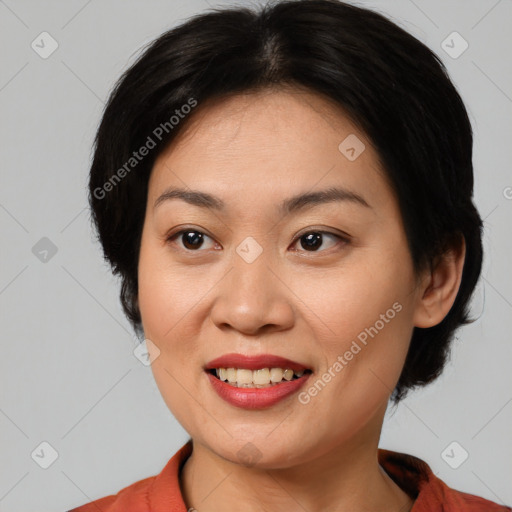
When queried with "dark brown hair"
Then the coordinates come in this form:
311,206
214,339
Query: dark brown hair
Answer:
390,84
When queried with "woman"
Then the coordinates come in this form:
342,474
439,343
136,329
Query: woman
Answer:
287,197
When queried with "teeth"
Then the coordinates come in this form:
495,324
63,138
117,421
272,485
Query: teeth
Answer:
243,377
262,378
288,374
276,375
231,374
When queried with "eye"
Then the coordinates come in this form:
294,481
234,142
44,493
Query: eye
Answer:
191,239
312,240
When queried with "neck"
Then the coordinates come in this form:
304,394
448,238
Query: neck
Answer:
346,477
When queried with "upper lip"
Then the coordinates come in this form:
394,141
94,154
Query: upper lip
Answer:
254,362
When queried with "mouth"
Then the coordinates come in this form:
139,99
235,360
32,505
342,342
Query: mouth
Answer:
259,378
255,382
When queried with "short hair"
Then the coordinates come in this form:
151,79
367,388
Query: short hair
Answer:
391,85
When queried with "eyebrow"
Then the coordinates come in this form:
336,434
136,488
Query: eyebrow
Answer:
290,205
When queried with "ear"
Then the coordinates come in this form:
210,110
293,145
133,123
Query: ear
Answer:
439,286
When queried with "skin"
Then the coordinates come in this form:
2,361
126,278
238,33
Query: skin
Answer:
253,151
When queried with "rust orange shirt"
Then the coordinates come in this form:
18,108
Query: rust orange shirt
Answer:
161,493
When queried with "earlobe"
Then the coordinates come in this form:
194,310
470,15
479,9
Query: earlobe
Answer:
439,287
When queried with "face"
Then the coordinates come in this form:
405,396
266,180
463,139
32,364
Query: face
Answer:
326,282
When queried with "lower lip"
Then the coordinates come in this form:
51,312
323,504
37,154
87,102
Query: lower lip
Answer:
256,398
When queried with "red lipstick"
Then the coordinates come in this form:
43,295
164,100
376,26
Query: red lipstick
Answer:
255,398
254,362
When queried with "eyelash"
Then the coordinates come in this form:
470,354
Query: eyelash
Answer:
343,239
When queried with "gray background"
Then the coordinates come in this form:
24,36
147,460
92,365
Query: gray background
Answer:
68,374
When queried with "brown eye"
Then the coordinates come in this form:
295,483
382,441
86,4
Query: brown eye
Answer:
191,239
313,240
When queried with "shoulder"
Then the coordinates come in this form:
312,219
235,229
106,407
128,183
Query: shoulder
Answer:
132,497
415,477
159,493
459,500
438,492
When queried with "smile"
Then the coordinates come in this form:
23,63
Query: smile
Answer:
255,382
261,378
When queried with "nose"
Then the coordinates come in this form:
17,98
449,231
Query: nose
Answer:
253,299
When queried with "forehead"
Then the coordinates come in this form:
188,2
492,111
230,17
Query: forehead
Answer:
268,145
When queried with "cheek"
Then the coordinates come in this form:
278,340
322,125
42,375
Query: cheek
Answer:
165,294
349,301
368,310
172,305
166,299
